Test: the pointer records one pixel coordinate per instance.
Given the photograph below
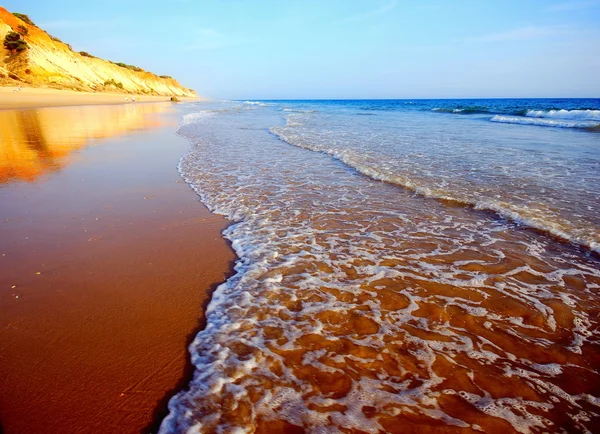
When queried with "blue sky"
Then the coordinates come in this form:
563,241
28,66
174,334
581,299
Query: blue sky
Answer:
243,49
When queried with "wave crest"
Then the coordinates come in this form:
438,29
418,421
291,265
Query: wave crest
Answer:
544,122
588,115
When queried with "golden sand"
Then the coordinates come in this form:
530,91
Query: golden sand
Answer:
30,97
107,259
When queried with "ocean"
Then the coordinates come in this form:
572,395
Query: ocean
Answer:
404,266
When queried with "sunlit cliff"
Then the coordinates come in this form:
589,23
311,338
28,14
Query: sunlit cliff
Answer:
49,62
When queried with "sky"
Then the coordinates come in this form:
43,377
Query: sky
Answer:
342,49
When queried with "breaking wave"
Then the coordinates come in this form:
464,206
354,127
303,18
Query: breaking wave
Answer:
543,122
550,117
536,217
592,115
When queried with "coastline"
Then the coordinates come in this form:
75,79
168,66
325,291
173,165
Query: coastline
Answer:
32,97
110,263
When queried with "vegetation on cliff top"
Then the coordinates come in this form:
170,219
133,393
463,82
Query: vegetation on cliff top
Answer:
24,17
124,65
55,39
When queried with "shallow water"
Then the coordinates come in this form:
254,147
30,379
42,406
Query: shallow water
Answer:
360,306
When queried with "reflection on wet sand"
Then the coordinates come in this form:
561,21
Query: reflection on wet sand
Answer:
35,142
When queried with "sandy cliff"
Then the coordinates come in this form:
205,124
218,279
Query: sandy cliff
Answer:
48,62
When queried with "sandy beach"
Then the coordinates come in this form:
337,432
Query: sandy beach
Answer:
108,260
30,97
338,217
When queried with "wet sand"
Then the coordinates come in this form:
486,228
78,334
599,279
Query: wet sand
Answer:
30,97
108,260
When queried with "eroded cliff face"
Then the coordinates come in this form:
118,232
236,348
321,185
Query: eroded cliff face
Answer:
50,62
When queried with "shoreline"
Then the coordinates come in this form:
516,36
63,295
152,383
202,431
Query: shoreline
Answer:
111,261
33,97
161,410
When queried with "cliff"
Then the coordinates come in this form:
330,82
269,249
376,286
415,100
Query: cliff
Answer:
49,62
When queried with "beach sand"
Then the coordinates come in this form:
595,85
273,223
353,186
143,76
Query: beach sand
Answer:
108,260
30,97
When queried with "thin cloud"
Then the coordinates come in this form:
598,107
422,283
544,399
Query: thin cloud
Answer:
370,14
523,33
209,39
577,5
75,24
68,24
110,46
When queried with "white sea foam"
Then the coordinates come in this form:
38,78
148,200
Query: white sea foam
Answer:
591,115
318,244
377,169
257,103
191,118
542,122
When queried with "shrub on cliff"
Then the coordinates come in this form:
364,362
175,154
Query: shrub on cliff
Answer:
14,43
86,54
22,30
112,82
24,17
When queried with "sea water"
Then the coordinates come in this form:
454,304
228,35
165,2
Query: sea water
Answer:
404,266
